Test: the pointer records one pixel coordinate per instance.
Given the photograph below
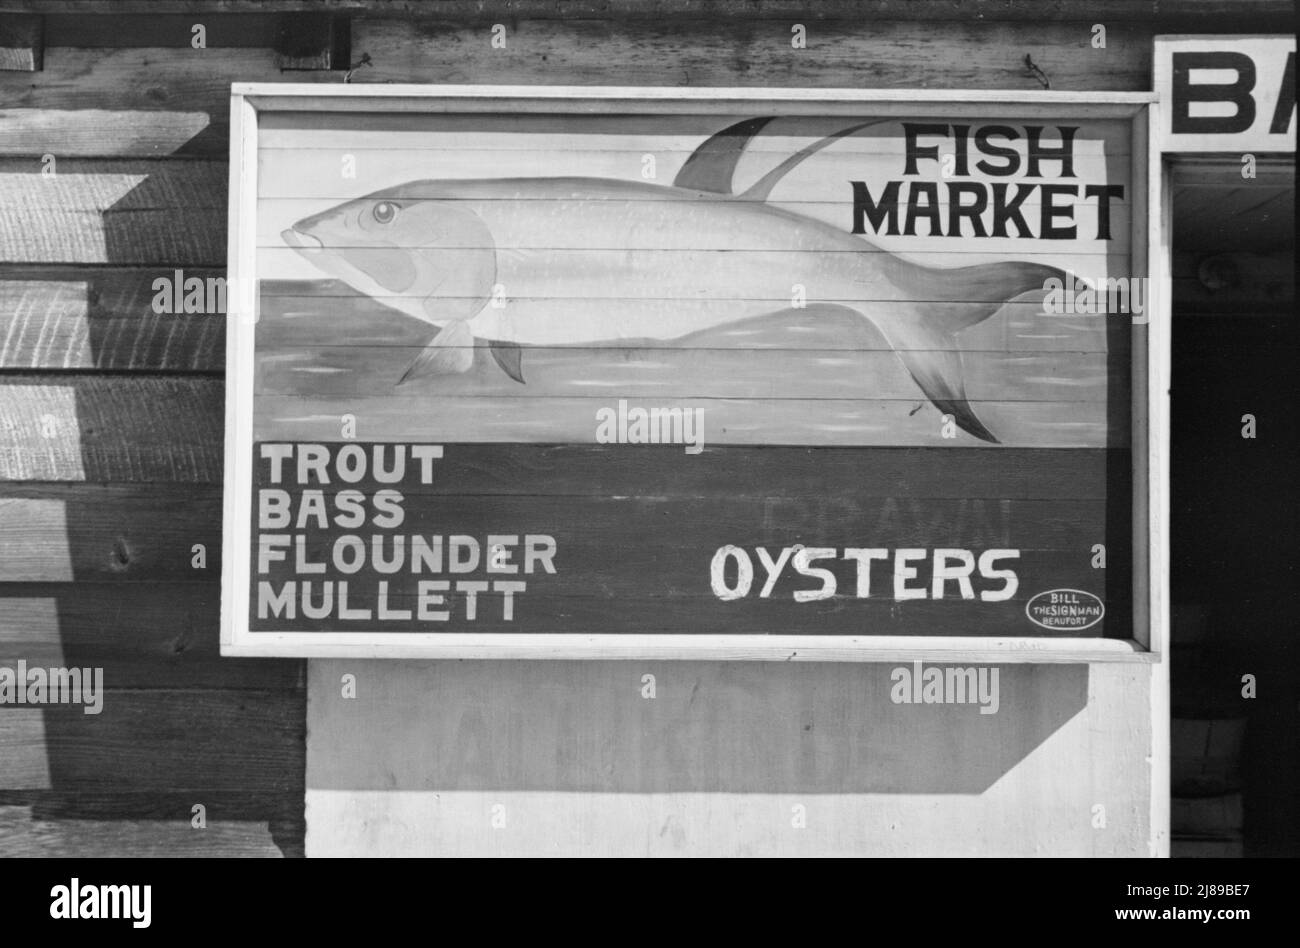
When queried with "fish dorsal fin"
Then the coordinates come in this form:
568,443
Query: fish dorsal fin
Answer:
763,187
711,166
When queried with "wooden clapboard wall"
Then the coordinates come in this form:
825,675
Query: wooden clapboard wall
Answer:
113,173
111,415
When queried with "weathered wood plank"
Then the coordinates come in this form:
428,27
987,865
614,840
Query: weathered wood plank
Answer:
847,52
144,635
741,273
93,825
80,318
60,533
124,212
537,613
22,42
773,473
111,428
156,740
405,137
23,835
367,372
1042,526
882,422
182,80
597,259
136,7
306,169
94,133
227,805
298,315
819,352
190,89
602,52
600,562
370,377
161,29
1121,11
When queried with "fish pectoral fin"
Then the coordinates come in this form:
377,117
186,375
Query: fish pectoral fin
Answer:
451,352
510,357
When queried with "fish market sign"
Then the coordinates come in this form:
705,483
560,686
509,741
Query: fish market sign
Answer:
978,209
1226,93
553,373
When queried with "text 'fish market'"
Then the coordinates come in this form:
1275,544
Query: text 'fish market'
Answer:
991,209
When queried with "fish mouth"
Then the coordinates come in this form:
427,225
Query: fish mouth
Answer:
302,242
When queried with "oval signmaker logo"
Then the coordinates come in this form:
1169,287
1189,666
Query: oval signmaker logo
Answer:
1065,609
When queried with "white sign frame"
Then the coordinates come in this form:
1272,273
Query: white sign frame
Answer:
1149,377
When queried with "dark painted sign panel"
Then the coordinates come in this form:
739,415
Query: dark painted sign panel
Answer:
398,537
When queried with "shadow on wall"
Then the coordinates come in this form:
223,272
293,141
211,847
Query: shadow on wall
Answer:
730,727
113,475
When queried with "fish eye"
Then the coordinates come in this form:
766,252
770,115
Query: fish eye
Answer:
384,212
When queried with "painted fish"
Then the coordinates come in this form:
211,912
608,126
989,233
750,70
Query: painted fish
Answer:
528,261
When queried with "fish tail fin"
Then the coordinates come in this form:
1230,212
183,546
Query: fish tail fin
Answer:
938,372
957,299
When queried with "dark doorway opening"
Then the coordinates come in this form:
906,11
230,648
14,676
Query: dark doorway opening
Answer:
1233,529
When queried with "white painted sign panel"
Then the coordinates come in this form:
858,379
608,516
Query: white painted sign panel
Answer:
1226,93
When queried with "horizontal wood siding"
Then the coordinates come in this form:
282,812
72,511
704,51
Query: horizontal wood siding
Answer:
1168,12
112,175
111,431
704,52
84,317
